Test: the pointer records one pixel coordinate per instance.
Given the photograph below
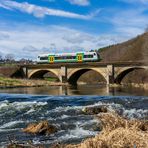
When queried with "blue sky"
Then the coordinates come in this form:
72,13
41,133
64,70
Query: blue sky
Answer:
32,27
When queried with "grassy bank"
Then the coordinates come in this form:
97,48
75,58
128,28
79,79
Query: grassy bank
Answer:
9,82
5,82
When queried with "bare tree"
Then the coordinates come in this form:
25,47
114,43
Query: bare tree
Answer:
1,57
146,29
9,57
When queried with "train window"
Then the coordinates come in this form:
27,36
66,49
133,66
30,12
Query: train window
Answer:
44,58
72,57
58,58
85,56
88,56
65,57
68,57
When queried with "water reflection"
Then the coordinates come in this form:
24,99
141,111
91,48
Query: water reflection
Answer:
101,90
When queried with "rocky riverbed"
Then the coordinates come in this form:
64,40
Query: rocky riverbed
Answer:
114,131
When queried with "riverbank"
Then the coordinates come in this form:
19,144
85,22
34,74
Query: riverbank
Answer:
135,85
6,82
138,85
12,83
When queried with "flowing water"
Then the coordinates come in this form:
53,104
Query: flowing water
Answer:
62,106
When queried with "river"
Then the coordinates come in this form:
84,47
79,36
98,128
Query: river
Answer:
62,106
101,90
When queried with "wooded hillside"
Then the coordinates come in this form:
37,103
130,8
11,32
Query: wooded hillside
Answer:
133,50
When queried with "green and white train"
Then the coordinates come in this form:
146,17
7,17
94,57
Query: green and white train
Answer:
68,57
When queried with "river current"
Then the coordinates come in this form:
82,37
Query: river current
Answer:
63,108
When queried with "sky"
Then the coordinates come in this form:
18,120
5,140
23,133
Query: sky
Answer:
32,27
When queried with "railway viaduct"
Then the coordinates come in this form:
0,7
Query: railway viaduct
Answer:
70,72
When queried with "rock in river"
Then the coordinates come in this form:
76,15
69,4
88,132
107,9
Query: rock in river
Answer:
42,128
95,110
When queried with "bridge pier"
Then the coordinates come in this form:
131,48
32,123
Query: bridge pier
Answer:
110,74
25,72
63,74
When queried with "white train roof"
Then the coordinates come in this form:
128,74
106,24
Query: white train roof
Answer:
72,53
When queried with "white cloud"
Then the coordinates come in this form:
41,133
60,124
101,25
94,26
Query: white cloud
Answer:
4,6
129,22
29,41
39,11
130,31
79,2
3,36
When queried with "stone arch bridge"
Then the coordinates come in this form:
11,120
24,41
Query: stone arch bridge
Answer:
70,72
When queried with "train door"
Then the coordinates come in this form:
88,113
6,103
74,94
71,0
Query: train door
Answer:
51,59
79,57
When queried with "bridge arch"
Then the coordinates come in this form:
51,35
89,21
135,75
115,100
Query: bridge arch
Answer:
74,75
124,72
39,73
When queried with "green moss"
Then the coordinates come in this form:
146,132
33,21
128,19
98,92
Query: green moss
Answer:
51,79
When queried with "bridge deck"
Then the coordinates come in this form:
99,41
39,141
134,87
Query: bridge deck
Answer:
95,64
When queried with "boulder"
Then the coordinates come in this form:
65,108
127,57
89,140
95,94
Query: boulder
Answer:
95,110
42,128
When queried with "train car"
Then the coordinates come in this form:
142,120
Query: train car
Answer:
68,57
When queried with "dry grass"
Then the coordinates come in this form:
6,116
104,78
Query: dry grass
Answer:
117,133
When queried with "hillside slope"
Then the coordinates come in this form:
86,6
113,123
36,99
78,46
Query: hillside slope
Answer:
133,50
